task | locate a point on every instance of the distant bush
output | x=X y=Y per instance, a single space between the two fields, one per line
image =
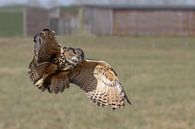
x=11 y=24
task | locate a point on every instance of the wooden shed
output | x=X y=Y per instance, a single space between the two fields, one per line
x=84 y=19
x=35 y=19
x=64 y=19
x=128 y=20
x=157 y=20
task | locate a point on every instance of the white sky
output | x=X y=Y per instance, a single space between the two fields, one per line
x=3 y=2
x=65 y=2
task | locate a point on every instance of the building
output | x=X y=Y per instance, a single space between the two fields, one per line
x=22 y=20
x=83 y=19
x=64 y=20
x=156 y=20
x=87 y=19
x=35 y=19
x=125 y=20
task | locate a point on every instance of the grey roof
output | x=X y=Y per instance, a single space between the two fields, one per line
x=156 y=7
x=138 y=4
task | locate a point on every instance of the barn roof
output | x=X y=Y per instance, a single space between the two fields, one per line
x=127 y=6
x=155 y=7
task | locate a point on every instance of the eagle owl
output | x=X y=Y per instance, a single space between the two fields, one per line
x=55 y=70
x=49 y=59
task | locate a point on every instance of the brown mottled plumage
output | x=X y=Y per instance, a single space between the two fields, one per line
x=46 y=48
x=55 y=69
x=47 y=61
x=58 y=80
x=100 y=82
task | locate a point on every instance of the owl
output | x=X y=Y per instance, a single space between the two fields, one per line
x=48 y=59
x=55 y=71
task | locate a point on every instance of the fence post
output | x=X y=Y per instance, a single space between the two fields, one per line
x=81 y=20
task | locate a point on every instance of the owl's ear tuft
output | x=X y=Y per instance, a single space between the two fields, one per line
x=46 y=29
x=49 y=30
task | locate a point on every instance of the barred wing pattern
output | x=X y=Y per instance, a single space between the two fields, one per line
x=44 y=76
x=56 y=82
x=54 y=67
x=100 y=83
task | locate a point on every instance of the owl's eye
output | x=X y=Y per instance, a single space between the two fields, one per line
x=65 y=48
x=72 y=49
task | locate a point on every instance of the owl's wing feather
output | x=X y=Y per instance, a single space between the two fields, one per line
x=57 y=82
x=100 y=83
x=39 y=72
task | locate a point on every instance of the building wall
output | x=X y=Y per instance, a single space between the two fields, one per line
x=64 y=21
x=190 y=24
x=154 y=22
x=92 y=20
x=98 y=21
x=35 y=20
x=70 y=21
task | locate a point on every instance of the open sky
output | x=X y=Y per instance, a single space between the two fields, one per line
x=3 y=2
x=66 y=2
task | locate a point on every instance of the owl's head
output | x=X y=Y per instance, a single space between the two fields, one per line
x=72 y=57
x=44 y=36
x=44 y=39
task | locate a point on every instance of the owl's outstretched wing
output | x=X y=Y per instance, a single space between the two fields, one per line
x=46 y=76
x=100 y=82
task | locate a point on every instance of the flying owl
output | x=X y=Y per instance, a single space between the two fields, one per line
x=48 y=60
x=96 y=78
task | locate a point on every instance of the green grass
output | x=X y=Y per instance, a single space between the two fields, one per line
x=158 y=75
x=11 y=8
x=11 y=24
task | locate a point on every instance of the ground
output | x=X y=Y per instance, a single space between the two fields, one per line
x=158 y=74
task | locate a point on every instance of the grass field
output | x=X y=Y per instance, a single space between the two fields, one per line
x=158 y=75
